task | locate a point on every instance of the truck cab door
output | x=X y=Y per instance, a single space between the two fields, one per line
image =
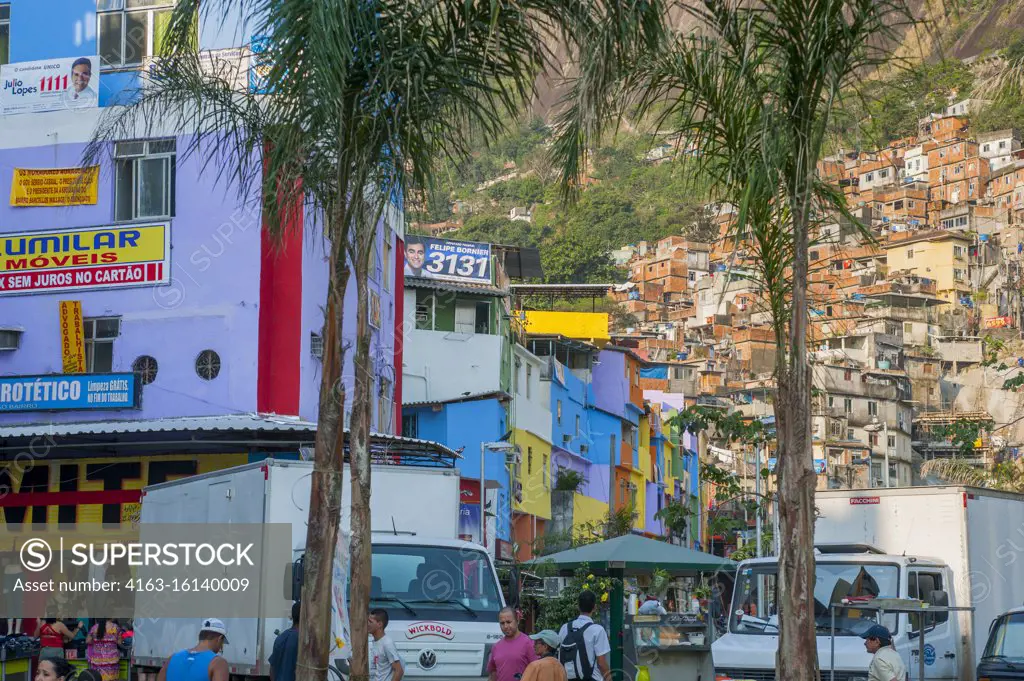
x=941 y=655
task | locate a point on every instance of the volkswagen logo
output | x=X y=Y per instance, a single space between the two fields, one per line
x=428 y=659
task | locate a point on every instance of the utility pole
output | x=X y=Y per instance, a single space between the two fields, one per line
x=885 y=437
x=757 y=496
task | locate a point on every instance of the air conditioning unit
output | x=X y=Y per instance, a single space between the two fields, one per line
x=554 y=586
x=10 y=338
x=513 y=457
x=566 y=439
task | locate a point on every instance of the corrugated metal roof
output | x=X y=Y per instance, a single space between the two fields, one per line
x=471 y=397
x=437 y=285
x=225 y=423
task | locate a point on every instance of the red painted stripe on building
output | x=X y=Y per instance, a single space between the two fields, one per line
x=280 y=320
x=125 y=496
x=399 y=326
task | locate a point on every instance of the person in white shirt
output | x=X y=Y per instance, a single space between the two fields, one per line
x=80 y=95
x=886 y=665
x=594 y=640
x=385 y=662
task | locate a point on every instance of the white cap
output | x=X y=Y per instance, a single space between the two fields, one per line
x=216 y=626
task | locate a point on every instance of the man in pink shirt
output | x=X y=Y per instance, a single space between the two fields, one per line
x=510 y=655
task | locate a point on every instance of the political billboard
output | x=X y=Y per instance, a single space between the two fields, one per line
x=447 y=260
x=50 y=85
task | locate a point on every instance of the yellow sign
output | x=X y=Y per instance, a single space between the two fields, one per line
x=72 y=337
x=55 y=186
x=89 y=258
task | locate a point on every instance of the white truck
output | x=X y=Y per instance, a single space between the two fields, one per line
x=947 y=545
x=416 y=512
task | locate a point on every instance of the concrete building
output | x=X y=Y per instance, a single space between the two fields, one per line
x=999 y=147
x=154 y=306
x=942 y=256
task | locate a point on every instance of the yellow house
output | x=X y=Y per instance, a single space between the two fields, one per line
x=942 y=256
x=588 y=326
x=587 y=511
x=534 y=474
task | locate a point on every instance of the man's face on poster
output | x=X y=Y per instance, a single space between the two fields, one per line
x=415 y=254
x=80 y=76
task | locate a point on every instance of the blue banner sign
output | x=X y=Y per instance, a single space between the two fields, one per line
x=448 y=260
x=68 y=392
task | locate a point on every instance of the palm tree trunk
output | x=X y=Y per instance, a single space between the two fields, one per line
x=359 y=447
x=315 y=641
x=797 y=641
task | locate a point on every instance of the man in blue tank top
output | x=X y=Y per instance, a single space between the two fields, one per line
x=200 y=662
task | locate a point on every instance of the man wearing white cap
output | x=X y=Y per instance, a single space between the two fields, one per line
x=200 y=662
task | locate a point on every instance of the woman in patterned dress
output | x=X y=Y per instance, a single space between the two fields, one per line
x=103 y=654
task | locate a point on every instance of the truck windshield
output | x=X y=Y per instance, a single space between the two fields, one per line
x=755 y=609
x=434 y=582
x=1006 y=642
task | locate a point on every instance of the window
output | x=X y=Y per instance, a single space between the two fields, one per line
x=927 y=368
x=872 y=408
x=848 y=405
x=958 y=275
x=529 y=378
x=848 y=375
x=410 y=425
x=849 y=433
x=144 y=179
x=873 y=439
x=131 y=30
x=831 y=401
x=922 y=586
x=883 y=174
x=636 y=376
x=316 y=345
x=908 y=328
x=910 y=254
x=545 y=470
x=692 y=276
x=835 y=429
x=577 y=425
x=1002 y=144
x=959 y=251
x=386 y=264
x=374 y=309
x=208 y=365
x=559 y=412
x=985 y=147
x=529 y=460
x=897 y=205
x=384 y=406
x=891 y=442
x=869 y=177
x=5 y=34
x=145 y=368
x=100 y=333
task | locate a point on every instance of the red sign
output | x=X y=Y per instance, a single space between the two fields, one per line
x=439 y=629
x=469 y=491
x=864 y=501
x=97 y=277
x=998 y=322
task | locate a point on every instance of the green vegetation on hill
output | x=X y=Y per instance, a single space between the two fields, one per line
x=633 y=199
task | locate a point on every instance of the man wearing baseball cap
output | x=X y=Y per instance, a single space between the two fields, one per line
x=547 y=666
x=886 y=665
x=200 y=662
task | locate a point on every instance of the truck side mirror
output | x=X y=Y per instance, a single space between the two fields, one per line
x=513 y=587
x=296 y=571
x=939 y=598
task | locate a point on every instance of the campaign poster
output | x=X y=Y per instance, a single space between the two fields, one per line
x=50 y=85
x=447 y=260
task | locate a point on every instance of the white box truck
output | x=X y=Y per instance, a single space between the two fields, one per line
x=947 y=545
x=416 y=511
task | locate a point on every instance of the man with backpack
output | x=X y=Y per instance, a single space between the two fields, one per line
x=585 y=647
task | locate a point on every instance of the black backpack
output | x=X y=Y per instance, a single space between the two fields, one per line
x=574 y=649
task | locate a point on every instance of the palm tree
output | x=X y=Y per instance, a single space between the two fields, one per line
x=753 y=92
x=1007 y=476
x=364 y=97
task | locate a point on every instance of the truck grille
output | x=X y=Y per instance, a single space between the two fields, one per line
x=769 y=675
